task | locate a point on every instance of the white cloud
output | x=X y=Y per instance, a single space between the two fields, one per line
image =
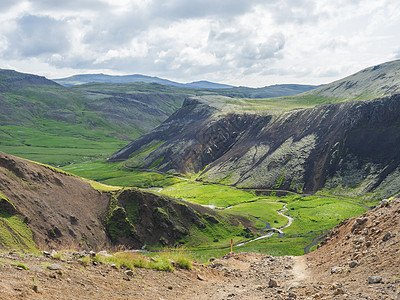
x=252 y=42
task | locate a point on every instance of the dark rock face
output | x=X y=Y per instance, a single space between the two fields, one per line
x=346 y=145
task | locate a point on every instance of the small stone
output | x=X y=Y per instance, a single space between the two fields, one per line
x=336 y=285
x=338 y=291
x=336 y=270
x=199 y=277
x=53 y=275
x=288 y=267
x=45 y=253
x=211 y=259
x=368 y=243
x=54 y=267
x=272 y=283
x=129 y=272
x=385 y=203
x=374 y=279
x=103 y=254
x=170 y=287
x=387 y=236
x=361 y=221
x=95 y=263
x=292 y=295
x=114 y=266
x=217 y=265
x=173 y=263
x=36 y=288
x=353 y=263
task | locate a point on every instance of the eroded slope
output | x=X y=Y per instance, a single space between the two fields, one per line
x=40 y=204
x=346 y=146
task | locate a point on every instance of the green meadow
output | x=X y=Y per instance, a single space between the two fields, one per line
x=310 y=213
x=56 y=143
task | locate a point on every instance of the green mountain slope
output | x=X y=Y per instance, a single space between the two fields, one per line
x=310 y=142
x=44 y=121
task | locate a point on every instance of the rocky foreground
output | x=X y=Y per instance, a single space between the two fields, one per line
x=359 y=260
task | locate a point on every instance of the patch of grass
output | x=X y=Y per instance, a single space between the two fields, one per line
x=279 y=246
x=137 y=156
x=266 y=211
x=183 y=262
x=118 y=225
x=101 y=187
x=164 y=261
x=84 y=261
x=369 y=199
x=57 y=143
x=58 y=256
x=223 y=231
x=209 y=194
x=315 y=213
x=115 y=174
x=14 y=232
x=20 y=265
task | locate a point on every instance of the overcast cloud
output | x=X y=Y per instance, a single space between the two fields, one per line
x=252 y=42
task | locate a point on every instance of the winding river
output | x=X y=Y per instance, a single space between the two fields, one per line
x=271 y=230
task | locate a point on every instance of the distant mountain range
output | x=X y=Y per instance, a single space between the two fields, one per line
x=104 y=78
x=277 y=90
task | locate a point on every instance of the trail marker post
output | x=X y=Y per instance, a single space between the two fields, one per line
x=231 y=245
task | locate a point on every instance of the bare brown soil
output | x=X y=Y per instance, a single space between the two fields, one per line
x=236 y=275
x=59 y=209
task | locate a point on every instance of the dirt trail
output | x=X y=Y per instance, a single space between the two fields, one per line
x=300 y=270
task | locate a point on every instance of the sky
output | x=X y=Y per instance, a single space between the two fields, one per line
x=251 y=43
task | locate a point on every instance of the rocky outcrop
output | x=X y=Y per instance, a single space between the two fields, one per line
x=349 y=145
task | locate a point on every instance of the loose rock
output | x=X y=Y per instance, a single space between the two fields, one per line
x=353 y=263
x=199 y=277
x=387 y=236
x=54 y=267
x=336 y=270
x=374 y=279
x=272 y=283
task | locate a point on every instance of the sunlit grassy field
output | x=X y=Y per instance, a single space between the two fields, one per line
x=310 y=213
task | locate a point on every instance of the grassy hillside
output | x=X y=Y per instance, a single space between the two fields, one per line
x=50 y=123
x=44 y=121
